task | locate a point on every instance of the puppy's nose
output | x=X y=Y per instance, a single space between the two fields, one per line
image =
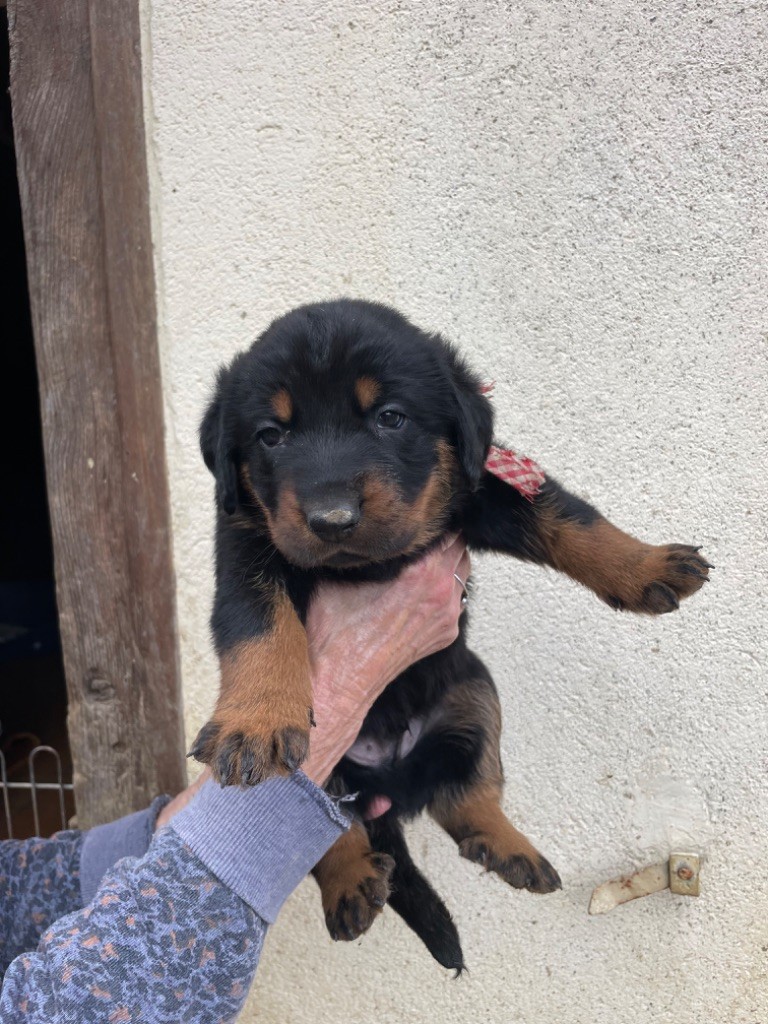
x=334 y=519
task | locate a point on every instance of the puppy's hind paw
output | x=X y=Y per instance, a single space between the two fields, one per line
x=359 y=900
x=520 y=870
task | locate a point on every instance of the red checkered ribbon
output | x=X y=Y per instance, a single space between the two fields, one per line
x=522 y=473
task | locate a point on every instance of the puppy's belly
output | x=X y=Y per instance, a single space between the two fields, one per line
x=376 y=753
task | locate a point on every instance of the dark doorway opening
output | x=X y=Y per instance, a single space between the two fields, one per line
x=33 y=697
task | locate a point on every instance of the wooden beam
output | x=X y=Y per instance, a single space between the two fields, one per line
x=78 y=123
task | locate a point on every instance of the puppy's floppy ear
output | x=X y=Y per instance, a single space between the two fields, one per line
x=474 y=421
x=217 y=443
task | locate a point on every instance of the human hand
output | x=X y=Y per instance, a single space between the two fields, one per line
x=362 y=636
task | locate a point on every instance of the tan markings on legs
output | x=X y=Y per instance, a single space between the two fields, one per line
x=479 y=814
x=600 y=556
x=473 y=817
x=623 y=571
x=270 y=673
x=261 y=723
x=354 y=884
x=282 y=405
x=484 y=835
x=367 y=390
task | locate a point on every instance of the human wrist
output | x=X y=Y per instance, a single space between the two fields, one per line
x=261 y=840
x=327 y=749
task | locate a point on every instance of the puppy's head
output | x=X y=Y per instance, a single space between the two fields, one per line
x=349 y=432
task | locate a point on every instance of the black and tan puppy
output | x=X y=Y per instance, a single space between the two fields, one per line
x=344 y=443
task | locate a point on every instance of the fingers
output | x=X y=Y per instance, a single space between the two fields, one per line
x=448 y=568
x=461 y=577
x=453 y=554
x=454 y=551
x=464 y=567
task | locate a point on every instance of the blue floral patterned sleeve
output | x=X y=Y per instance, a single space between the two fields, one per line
x=44 y=879
x=163 y=940
x=177 y=934
x=39 y=882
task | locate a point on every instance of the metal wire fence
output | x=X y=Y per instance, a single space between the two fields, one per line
x=34 y=787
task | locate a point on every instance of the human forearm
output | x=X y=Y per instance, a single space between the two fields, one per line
x=39 y=881
x=178 y=934
x=163 y=940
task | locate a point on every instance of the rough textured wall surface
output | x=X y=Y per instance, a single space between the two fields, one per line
x=575 y=193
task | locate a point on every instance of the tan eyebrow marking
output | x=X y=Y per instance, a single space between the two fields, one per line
x=367 y=390
x=282 y=405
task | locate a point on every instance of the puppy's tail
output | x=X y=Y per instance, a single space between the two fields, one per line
x=413 y=897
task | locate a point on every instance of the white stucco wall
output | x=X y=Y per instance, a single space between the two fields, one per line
x=574 y=192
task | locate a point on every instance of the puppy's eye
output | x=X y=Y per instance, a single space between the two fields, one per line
x=390 y=419
x=271 y=436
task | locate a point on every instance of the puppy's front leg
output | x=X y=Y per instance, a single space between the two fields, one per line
x=557 y=529
x=260 y=726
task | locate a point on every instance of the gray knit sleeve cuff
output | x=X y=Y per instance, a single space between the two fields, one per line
x=261 y=841
x=105 y=845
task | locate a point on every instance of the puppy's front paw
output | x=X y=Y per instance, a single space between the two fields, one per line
x=666 y=575
x=245 y=756
x=521 y=870
x=357 y=900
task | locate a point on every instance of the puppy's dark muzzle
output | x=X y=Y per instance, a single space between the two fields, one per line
x=334 y=520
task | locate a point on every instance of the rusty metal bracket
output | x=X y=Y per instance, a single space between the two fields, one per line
x=684 y=871
x=680 y=874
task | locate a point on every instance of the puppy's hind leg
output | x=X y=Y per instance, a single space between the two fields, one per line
x=485 y=836
x=414 y=899
x=472 y=815
x=354 y=884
